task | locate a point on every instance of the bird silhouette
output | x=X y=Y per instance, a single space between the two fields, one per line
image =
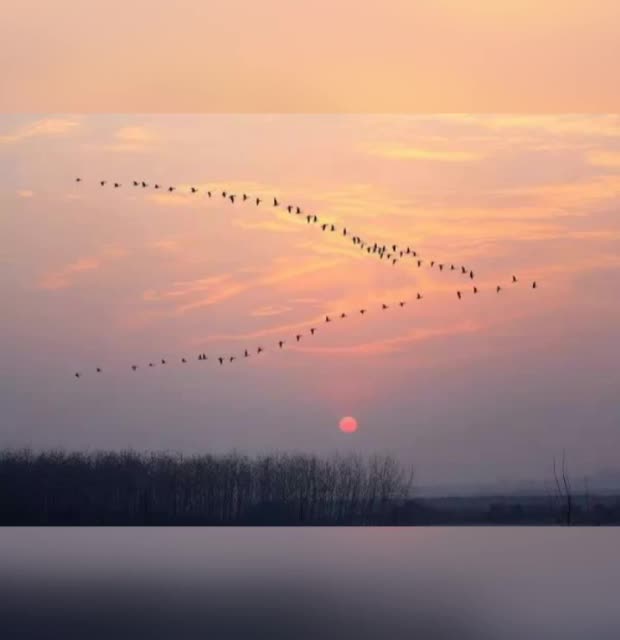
x=246 y=354
x=194 y=190
x=209 y=193
x=281 y=343
x=384 y=306
x=498 y=289
x=163 y=361
x=343 y=315
x=77 y=375
x=78 y=179
x=134 y=367
x=298 y=337
x=323 y=227
x=223 y=194
x=150 y=364
x=327 y=319
x=309 y=219
x=419 y=296
x=144 y=185
x=514 y=278
x=312 y=330
x=534 y=284
x=297 y=210
x=463 y=270
x=471 y=275
x=156 y=186
x=451 y=267
x=259 y=350
x=245 y=197
x=275 y=202
x=419 y=263
x=232 y=359
x=98 y=369
x=458 y=294
x=475 y=289
x=102 y=183
x=136 y=183
x=258 y=201
x=183 y=360
x=432 y=263
x=440 y=267
x=232 y=197
x=221 y=360
x=289 y=208
x=116 y=185
x=402 y=303
x=171 y=189
x=362 y=311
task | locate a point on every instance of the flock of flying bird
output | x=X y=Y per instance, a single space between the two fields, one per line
x=391 y=253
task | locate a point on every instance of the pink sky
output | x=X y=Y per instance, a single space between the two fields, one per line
x=485 y=389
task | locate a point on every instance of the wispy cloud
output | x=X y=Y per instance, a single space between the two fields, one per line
x=43 y=127
x=403 y=152
x=269 y=310
x=132 y=139
x=64 y=277
x=608 y=159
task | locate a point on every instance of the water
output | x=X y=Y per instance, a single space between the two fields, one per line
x=310 y=583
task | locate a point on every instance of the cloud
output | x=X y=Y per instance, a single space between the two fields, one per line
x=608 y=159
x=270 y=310
x=132 y=139
x=402 y=152
x=25 y=193
x=64 y=277
x=44 y=127
x=390 y=345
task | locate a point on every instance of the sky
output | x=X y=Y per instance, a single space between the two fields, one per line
x=483 y=390
x=278 y=56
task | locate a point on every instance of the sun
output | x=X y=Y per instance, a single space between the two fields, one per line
x=348 y=424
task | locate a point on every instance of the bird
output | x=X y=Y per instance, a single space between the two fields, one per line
x=362 y=311
x=259 y=350
x=289 y=208
x=77 y=375
x=327 y=319
x=150 y=364
x=298 y=337
x=297 y=210
x=194 y=189
x=419 y=263
x=98 y=369
x=221 y=360
x=534 y=284
x=204 y=356
x=116 y=185
x=471 y=275
x=245 y=197
x=136 y=183
x=312 y=330
x=333 y=228
x=498 y=289
x=309 y=218
x=156 y=186
x=440 y=267
x=451 y=267
x=232 y=358
x=78 y=179
x=514 y=278
x=232 y=197
x=144 y=185
x=458 y=294
x=183 y=360
x=275 y=202
x=223 y=194
x=402 y=303
x=384 y=306
x=258 y=201
x=209 y=193
x=432 y=263
x=281 y=343
x=171 y=189
x=394 y=247
x=463 y=270
x=343 y=315
x=475 y=289
x=163 y=361
x=246 y=354
x=323 y=227
x=134 y=367
x=419 y=296
x=102 y=183
x=394 y=261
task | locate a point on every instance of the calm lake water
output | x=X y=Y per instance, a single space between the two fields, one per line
x=310 y=583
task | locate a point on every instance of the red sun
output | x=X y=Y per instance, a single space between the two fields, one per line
x=348 y=424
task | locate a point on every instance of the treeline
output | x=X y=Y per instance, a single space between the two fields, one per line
x=129 y=488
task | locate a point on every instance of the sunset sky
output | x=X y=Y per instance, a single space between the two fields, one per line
x=483 y=390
